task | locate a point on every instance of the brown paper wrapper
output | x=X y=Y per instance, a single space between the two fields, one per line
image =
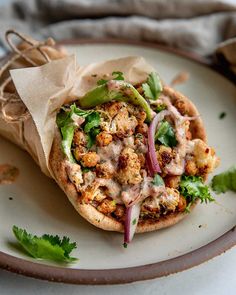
x=44 y=89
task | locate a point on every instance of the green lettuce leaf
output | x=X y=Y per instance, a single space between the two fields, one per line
x=224 y=181
x=153 y=87
x=193 y=188
x=65 y=121
x=166 y=134
x=46 y=247
x=92 y=121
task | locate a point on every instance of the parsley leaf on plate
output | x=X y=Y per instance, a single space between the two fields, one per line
x=224 y=181
x=193 y=188
x=166 y=134
x=46 y=247
x=153 y=87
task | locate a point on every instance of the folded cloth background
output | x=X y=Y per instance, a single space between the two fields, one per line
x=206 y=27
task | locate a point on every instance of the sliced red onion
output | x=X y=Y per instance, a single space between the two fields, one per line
x=151 y=140
x=149 y=165
x=131 y=222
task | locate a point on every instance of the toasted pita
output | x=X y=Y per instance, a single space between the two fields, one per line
x=90 y=213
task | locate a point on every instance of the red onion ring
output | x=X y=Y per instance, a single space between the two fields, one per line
x=131 y=222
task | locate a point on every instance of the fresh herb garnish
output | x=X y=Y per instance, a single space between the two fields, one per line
x=134 y=221
x=224 y=181
x=46 y=247
x=222 y=115
x=92 y=121
x=116 y=76
x=157 y=180
x=91 y=128
x=193 y=188
x=166 y=134
x=153 y=87
x=125 y=245
x=160 y=107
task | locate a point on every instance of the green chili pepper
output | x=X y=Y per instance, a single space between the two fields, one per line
x=123 y=92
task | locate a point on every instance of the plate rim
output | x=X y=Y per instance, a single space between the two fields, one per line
x=137 y=273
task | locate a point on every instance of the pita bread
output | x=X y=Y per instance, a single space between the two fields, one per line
x=89 y=212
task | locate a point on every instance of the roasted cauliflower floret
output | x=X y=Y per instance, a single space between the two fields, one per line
x=138 y=113
x=171 y=201
x=182 y=204
x=120 y=211
x=129 y=167
x=164 y=155
x=123 y=125
x=105 y=170
x=113 y=108
x=203 y=159
x=79 y=138
x=78 y=152
x=142 y=128
x=107 y=206
x=172 y=181
x=191 y=167
x=99 y=196
x=90 y=159
x=151 y=205
x=88 y=194
x=103 y=138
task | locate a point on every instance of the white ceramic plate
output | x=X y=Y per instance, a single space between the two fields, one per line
x=41 y=207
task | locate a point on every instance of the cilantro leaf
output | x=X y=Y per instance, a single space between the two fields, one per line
x=224 y=181
x=157 y=180
x=166 y=134
x=116 y=76
x=46 y=247
x=193 y=188
x=153 y=87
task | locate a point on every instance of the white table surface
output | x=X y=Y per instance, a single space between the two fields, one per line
x=217 y=276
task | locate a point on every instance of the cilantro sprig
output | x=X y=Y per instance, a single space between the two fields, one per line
x=166 y=134
x=46 y=247
x=153 y=87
